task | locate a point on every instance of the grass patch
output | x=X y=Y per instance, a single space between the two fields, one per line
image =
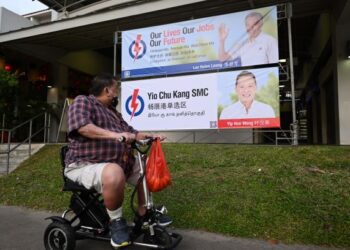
x=291 y=194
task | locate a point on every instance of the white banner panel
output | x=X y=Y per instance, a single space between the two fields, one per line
x=236 y=99
x=227 y=41
x=176 y=103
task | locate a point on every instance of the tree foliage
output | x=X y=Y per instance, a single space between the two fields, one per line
x=8 y=86
x=269 y=93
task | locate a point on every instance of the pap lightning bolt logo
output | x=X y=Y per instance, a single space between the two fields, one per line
x=137 y=47
x=133 y=102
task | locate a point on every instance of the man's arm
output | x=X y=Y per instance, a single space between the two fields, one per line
x=142 y=136
x=223 y=33
x=139 y=135
x=93 y=132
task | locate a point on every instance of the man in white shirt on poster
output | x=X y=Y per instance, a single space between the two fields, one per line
x=246 y=106
x=258 y=48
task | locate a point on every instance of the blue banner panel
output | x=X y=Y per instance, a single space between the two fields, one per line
x=227 y=41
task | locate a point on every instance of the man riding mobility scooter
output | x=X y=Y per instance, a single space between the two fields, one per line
x=87 y=218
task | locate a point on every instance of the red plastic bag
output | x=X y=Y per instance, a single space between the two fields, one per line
x=157 y=171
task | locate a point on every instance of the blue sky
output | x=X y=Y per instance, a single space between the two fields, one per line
x=22 y=7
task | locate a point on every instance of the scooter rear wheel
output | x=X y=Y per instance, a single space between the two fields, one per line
x=59 y=236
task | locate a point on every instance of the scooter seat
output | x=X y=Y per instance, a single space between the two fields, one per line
x=70 y=185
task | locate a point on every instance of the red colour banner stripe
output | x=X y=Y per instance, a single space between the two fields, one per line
x=250 y=123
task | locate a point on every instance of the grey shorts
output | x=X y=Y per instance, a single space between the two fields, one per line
x=90 y=174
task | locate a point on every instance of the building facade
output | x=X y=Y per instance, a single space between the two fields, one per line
x=62 y=48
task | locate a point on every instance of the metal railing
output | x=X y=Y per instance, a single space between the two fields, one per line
x=9 y=132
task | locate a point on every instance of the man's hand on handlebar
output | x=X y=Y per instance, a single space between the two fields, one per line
x=131 y=137
x=157 y=136
x=126 y=137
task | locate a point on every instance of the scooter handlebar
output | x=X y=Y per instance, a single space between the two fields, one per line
x=122 y=139
x=143 y=142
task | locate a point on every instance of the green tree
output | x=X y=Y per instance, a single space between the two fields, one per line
x=269 y=93
x=8 y=87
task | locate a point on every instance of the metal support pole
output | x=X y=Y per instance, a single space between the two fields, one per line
x=8 y=152
x=115 y=53
x=276 y=138
x=291 y=65
x=65 y=106
x=48 y=128
x=144 y=184
x=45 y=127
x=30 y=138
x=2 y=127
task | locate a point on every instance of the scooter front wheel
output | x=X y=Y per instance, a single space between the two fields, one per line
x=59 y=236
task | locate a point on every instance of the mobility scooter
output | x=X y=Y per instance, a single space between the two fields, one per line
x=87 y=218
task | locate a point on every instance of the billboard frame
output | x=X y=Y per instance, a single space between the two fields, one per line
x=284 y=11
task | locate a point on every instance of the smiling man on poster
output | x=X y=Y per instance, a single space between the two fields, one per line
x=252 y=101
x=246 y=106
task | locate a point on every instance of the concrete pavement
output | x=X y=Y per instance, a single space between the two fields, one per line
x=23 y=229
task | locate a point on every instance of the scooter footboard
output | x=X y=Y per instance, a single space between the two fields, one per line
x=176 y=239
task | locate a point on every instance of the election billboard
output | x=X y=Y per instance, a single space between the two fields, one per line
x=224 y=100
x=233 y=40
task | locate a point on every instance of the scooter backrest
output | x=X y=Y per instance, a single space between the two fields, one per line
x=63 y=153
